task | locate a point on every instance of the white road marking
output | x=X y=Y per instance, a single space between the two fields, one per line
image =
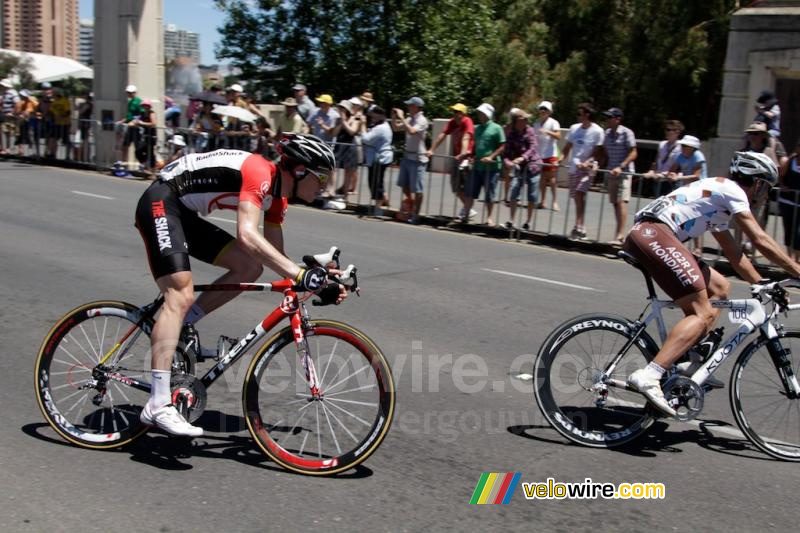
x=543 y=280
x=221 y=219
x=93 y=195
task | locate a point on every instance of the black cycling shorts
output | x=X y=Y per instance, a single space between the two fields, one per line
x=171 y=232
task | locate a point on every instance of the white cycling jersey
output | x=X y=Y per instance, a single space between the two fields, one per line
x=704 y=205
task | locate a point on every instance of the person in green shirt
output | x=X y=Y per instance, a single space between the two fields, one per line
x=133 y=114
x=490 y=140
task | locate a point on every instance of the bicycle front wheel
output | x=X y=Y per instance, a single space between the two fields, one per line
x=568 y=366
x=329 y=431
x=763 y=410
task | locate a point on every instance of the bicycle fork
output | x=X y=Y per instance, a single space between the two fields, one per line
x=783 y=363
x=299 y=326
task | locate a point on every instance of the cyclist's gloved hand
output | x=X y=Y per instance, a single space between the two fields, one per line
x=311 y=279
x=330 y=294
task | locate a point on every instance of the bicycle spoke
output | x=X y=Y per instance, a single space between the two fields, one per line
x=330 y=427
x=302 y=444
x=78 y=401
x=349 y=433
x=85 y=336
x=319 y=434
x=103 y=337
x=348 y=413
x=368 y=404
x=347 y=377
x=365 y=387
x=80 y=363
x=92 y=359
x=330 y=359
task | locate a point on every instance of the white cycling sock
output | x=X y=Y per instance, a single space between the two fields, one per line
x=654 y=371
x=194 y=315
x=160 y=395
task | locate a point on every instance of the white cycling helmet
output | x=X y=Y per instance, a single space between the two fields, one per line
x=755 y=165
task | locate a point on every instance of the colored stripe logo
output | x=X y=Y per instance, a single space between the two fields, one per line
x=495 y=488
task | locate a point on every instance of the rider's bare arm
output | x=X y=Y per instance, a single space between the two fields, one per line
x=740 y=263
x=766 y=244
x=274 y=235
x=255 y=244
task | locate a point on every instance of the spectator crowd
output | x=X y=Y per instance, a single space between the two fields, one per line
x=489 y=160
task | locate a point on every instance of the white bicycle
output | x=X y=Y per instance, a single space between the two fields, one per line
x=581 y=369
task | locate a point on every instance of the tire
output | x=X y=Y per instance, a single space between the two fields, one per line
x=767 y=417
x=276 y=400
x=73 y=403
x=563 y=372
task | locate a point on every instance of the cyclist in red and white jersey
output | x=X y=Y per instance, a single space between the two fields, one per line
x=167 y=217
x=657 y=238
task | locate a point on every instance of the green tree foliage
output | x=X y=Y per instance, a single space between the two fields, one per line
x=12 y=65
x=656 y=59
x=394 y=48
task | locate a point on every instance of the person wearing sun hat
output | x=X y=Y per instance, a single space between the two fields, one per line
x=462 y=133
x=690 y=165
x=548 y=132
x=291 y=121
x=490 y=140
x=325 y=120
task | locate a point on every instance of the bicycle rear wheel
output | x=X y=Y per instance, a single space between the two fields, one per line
x=76 y=396
x=763 y=411
x=568 y=364
x=334 y=431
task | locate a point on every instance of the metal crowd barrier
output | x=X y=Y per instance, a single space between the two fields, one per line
x=36 y=140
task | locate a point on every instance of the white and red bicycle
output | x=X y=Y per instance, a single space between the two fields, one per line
x=318 y=395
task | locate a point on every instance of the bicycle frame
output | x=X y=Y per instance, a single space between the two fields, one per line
x=750 y=313
x=291 y=307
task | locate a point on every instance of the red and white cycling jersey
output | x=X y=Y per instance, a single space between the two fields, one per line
x=223 y=178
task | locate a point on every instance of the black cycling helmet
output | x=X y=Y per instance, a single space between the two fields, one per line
x=751 y=166
x=307 y=150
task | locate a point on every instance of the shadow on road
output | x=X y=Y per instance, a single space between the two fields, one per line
x=161 y=451
x=657 y=440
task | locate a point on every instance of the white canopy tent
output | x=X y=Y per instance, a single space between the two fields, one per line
x=53 y=68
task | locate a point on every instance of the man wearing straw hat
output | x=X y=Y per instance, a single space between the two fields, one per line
x=291 y=121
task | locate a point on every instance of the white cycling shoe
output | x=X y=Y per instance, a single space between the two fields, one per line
x=651 y=388
x=170 y=420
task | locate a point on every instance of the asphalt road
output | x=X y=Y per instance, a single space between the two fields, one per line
x=436 y=302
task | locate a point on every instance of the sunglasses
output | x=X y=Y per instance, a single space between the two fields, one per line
x=300 y=175
x=670 y=129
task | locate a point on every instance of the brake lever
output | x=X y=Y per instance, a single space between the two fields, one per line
x=349 y=278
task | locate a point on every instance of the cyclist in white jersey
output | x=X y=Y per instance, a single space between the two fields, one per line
x=657 y=238
x=167 y=218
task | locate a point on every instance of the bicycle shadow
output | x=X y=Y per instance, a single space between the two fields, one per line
x=159 y=450
x=660 y=439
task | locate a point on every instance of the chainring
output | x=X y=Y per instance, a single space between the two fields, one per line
x=685 y=396
x=188 y=395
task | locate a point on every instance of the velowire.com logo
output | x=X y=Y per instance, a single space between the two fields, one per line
x=495 y=488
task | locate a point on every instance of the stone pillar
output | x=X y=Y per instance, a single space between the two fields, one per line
x=128 y=49
x=763 y=45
